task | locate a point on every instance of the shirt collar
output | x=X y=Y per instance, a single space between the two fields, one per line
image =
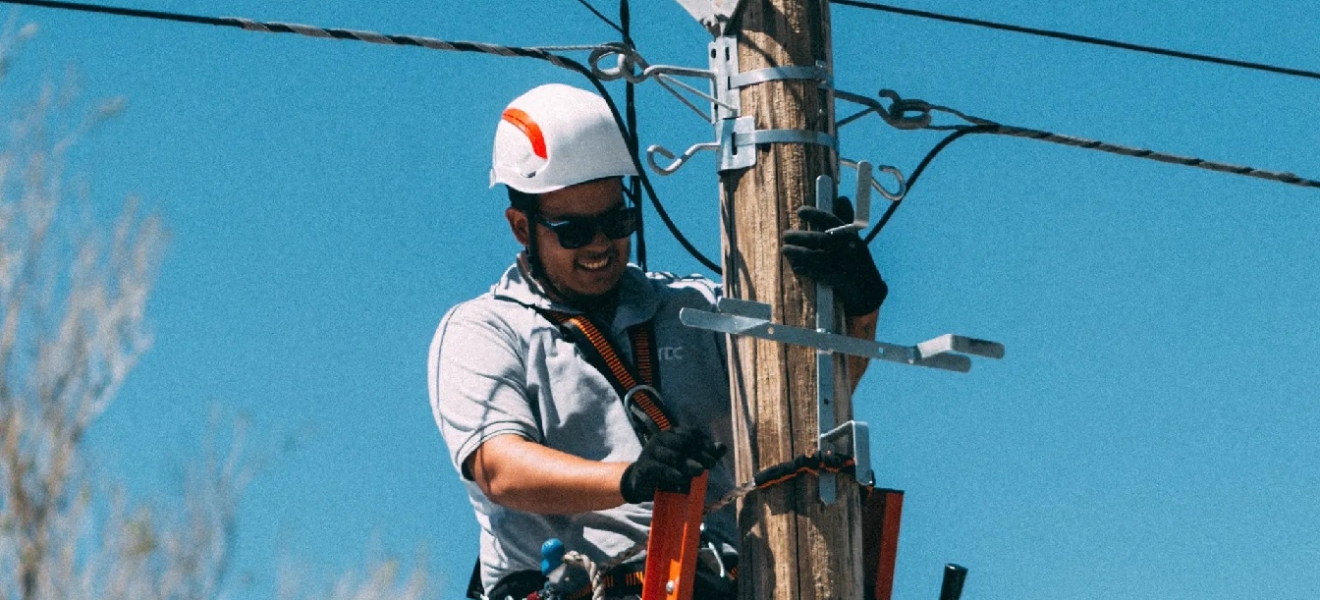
x=637 y=300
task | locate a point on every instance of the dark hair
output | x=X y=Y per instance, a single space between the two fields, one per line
x=523 y=201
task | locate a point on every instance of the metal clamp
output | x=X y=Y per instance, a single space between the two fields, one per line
x=818 y=73
x=736 y=142
x=895 y=115
x=724 y=66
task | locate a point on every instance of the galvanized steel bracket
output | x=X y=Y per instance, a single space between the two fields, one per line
x=736 y=141
x=818 y=73
x=714 y=15
x=736 y=136
x=743 y=317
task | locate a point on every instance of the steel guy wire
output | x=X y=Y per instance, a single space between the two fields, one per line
x=1084 y=39
x=402 y=40
x=896 y=116
x=988 y=126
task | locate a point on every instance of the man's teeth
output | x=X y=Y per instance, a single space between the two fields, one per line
x=595 y=264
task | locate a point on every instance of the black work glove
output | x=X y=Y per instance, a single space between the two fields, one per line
x=839 y=260
x=669 y=461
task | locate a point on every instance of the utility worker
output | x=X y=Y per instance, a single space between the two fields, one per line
x=542 y=440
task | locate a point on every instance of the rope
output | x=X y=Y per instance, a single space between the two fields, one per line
x=594 y=572
x=1083 y=39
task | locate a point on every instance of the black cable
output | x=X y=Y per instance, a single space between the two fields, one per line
x=630 y=115
x=402 y=40
x=126 y=12
x=1082 y=39
x=602 y=17
x=921 y=167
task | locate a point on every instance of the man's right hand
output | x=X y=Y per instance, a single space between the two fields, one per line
x=669 y=461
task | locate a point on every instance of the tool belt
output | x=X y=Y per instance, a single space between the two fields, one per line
x=623 y=580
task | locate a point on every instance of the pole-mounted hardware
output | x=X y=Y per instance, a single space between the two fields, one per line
x=853 y=435
x=742 y=317
x=714 y=15
x=736 y=136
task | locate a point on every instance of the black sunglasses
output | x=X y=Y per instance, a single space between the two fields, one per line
x=576 y=232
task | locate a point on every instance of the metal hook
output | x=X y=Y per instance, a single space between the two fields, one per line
x=898 y=176
x=655 y=149
x=874 y=184
x=632 y=67
x=626 y=66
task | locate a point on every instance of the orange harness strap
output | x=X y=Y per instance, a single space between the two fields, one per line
x=671 y=549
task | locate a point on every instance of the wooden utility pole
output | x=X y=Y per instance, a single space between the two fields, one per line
x=794 y=546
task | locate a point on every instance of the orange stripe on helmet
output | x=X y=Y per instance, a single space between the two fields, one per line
x=525 y=124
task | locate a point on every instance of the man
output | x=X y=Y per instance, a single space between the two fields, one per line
x=544 y=443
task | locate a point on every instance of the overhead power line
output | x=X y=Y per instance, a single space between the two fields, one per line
x=896 y=115
x=599 y=15
x=1082 y=39
x=373 y=37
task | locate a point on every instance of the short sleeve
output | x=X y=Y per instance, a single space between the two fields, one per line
x=477 y=381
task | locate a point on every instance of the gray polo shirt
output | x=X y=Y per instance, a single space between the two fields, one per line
x=497 y=367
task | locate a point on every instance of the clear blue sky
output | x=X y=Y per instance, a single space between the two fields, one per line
x=1152 y=431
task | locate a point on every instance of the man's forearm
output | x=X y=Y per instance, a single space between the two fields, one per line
x=523 y=475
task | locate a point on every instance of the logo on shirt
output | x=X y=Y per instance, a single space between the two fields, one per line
x=668 y=353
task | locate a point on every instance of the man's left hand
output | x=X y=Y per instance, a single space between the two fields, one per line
x=840 y=260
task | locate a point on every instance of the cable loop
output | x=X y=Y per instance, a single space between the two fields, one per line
x=627 y=65
x=897 y=116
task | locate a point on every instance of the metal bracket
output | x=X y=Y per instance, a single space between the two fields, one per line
x=852 y=438
x=723 y=67
x=736 y=142
x=818 y=73
x=744 y=317
x=824 y=358
x=714 y=15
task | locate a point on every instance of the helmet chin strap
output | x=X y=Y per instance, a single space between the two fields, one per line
x=536 y=267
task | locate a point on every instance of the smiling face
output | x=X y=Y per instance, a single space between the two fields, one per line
x=583 y=273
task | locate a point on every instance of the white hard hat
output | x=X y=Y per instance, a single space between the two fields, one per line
x=555 y=136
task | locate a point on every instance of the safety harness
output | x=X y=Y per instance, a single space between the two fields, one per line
x=672 y=546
